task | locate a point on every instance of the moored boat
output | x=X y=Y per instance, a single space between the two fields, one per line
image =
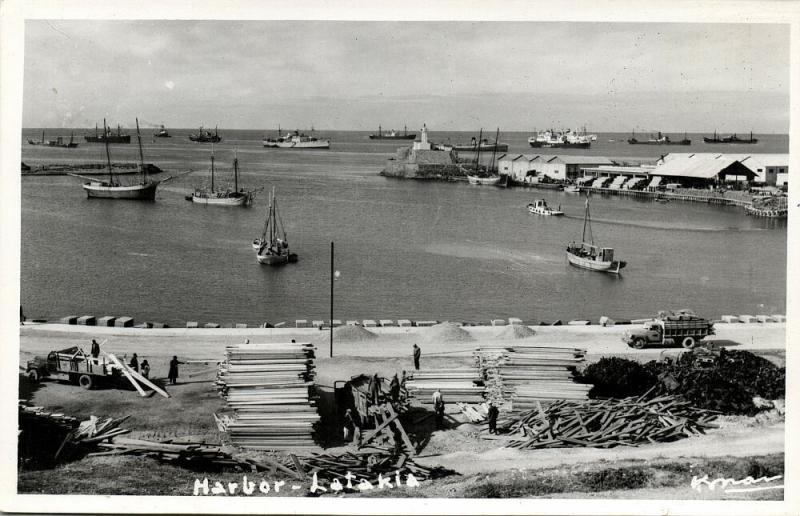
x=162 y=133
x=296 y=140
x=61 y=142
x=273 y=247
x=567 y=139
x=540 y=207
x=587 y=255
x=473 y=146
x=227 y=197
x=144 y=190
x=662 y=139
x=572 y=189
x=490 y=181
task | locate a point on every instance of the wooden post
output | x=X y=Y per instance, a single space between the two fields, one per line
x=127 y=375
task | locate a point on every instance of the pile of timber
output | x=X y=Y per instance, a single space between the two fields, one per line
x=524 y=375
x=607 y=423
x=463 y=384
x=44 y=437
x=366 y=465
x=270 y=389
x=474 y=413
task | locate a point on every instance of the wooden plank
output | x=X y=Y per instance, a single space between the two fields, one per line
x=374 y=433
x=297 y=464
x=147 y=382
x=127 y=375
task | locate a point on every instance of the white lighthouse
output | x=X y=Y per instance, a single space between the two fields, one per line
x=422 y=144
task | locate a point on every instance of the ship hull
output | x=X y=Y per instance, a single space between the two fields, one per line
x=276 y=259
x=559 y=145
x=500 y=147
x=239 y=200
x=111 y=139
x=646 y=142
x=303 y=145
x=145 y=192
x=594 y=265
x=489 y=181
x=399 y=137
x=711 y=140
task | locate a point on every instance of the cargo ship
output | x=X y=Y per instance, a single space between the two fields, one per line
x=561 y=140
x=162 y=133
x=205 y=136
x=108 y=136
x=392 y=135
x=662 y=139
x=729 y=139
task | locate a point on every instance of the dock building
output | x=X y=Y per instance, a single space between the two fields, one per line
x=532 y=168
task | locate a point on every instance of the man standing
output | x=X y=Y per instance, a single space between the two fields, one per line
x=374 y=389
x=134 y=363
x=438 y=407
x=493 y=413
x=417 y=354
x=394 y=389
x=173 y=370
x=95 y=349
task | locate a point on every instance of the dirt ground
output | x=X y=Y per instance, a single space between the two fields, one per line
x=458 y=447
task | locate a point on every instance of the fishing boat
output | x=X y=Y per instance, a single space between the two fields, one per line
x=572 y=189
x=273 y=248
x=144 y=190
x=587 y=255
x=296 y=140
x=540 y=207
x=162 y=133
x=662 y=139
x=392 y=135
x=205 y=136
x=726 y=139
x=108 y=136
x=486 y=176
x=490 y=181
x=567 y=139
x=227 y=197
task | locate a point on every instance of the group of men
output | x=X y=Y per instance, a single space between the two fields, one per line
x=144 y=367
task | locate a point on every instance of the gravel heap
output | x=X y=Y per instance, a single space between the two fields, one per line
x=353 y=333
x=447 y=332
x=516 y=331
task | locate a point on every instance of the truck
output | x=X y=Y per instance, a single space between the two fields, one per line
x=75 y=366
x=684 y=329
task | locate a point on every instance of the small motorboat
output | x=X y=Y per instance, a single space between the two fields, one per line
x=540 y=207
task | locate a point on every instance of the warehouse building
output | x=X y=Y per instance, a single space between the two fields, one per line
x=769 y=169
x=530 y=168
x=702 y=170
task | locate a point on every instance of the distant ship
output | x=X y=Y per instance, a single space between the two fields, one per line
x=162 y=133
x=662 y=139
x=392 y=135
x=296 y=140
x=729 y=139
x=108 y=136
x=568 y=139
x=61 y=142
x=473 y=146
x=205 y=136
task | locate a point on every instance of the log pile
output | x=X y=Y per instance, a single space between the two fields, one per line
x=607 y=423
x=527 y=374
x=461 y=384
x=269 y=387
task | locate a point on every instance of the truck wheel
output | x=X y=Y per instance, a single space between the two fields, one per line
x=638 y=343
x=86 y=381
x=688 y=342
x=33 y=375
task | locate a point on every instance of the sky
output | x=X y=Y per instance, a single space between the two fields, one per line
x=518 y=76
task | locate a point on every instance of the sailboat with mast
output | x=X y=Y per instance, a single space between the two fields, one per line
x=228 y=197
x=144 y=190
x=273 y=247
x=479 y=178
x=587 y=255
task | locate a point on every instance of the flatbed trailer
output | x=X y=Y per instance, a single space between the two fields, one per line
x=74 y=366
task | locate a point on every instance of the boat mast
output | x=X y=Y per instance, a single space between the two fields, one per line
x=212 y=167
x=108 y=159
x=587 y=223
x=235 y=171
x=42 y=136
x=141 y=154
x=494 y=150
x=478 y=155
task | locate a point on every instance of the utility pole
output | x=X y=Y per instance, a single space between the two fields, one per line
x=330 y=321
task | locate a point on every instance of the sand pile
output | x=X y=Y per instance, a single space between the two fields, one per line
x=353 y=333
x=447 y=332
x=516 y=331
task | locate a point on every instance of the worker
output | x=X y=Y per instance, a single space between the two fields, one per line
x=173 y=370
x=493 y=413
x=145 y=369
x=134 y=363
x=95 y=349
x=403 y=379
x=374 y=388
x=349 y=425
x=394 y=389
x=21 y=316
x=417 y=354
x=438 y=407
x=397 y=437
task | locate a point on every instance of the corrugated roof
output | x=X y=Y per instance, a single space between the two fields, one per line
x=751 y=161
x=697 y=166
x=584 y=160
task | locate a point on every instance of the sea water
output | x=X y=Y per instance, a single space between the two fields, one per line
x=403 y=248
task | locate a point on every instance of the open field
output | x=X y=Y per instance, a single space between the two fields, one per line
x=661 y=470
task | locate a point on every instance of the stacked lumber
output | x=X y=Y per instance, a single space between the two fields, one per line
x=456 y=385
x=607 y=423
x=474 y=413
x=269 y=387
x=527 y=374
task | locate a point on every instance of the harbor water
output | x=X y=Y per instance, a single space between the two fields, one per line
x=404 y=249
